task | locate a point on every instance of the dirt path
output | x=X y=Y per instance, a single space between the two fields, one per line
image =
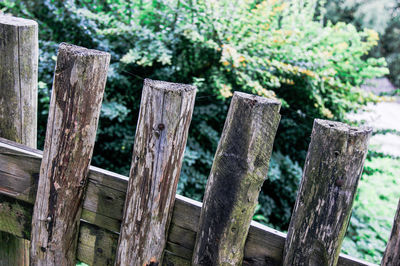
x=383 y=117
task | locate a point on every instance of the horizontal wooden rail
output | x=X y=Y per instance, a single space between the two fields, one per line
x=102 y=214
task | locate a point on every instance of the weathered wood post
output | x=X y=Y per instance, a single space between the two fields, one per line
x=164 y=119
x=238 y=172
x=18 y=105
x=79 y=81
x=322 y=211
x=392 y=252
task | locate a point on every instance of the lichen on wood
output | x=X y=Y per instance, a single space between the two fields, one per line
x=79 y=83
x=238 y=172
x=98 y=237
x=164 y=118
x=322 y=211
x=18 y=105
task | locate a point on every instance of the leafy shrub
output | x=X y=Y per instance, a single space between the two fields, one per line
x=271 y=48
x=382 y=16
x=370 y=224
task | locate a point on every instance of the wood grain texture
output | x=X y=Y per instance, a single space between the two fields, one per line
x=391 y=257
x=79 y=82
x=164 y=118
x=264 y=246
x=239 y=169
x=322 y=211
x=18 y=105
x=18 y=79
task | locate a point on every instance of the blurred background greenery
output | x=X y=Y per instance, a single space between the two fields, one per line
x=312 y=55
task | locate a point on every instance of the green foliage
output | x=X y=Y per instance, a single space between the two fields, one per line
x=382 y=16
x=271 y=48
x=371 y=224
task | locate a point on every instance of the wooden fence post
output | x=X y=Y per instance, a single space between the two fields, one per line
x=18 y=105
x=322 y=211
x=164 y=119
x=79 y=82
x=238 y=172
x=392 y=252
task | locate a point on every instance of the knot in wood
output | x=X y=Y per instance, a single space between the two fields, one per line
x=161 y=126
x=339 y=182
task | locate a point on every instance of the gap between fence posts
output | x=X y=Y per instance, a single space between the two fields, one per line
x=391 y=257
x=322 y=211
x=79 y=81
x=239 y=169
x=164 y=118
x=18 y=105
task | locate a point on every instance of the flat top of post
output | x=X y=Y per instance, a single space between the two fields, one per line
x=257 y=99
x=342 y=126
x=80 y=51
x=168 y=86
x=14 y=21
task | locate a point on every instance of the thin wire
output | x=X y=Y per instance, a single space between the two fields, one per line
x=201 y=98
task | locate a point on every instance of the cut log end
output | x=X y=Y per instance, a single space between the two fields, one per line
x=341 y=127
x=254 y=99
x=169 y=86
x=17 y=22
x=74 y=50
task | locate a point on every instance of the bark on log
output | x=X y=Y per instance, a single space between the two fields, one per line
x=18 y=105
x=238 y=172
x=164 y=119
x=322 y=211
x=79 y=82
x=392 y=252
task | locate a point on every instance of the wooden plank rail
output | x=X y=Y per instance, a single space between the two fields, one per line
x=78 y=87
x=19 y=51
x=102 y=214
x=165 y=113
x=239 y=169
x=322 y=211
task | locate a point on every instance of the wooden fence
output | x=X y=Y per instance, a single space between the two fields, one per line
x=70 y=210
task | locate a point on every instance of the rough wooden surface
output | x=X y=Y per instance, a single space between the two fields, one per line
x=392 y=252
x=239 y=169
x=322 y=211
x=18 y=79
x=164 y=118
x=264 y=246
x=79 y=83
x=18 y=105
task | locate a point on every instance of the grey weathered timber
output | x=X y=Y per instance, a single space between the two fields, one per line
x=392 y=252
x=18 y=79
x=238 y=172
x=161 y=134
x=322 y=211
x=98 y=234
x=79 y=82
x=18 y=106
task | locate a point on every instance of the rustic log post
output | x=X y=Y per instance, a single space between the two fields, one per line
x=238 y=172
x=79 y=82
x=322 y=211
x=18 y=105
x=392 y=252
x=164 y=119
